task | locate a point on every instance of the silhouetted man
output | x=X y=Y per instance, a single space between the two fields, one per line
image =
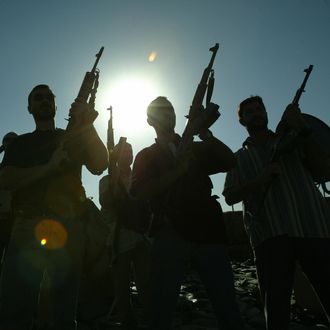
x=285 y=215
x=5 y=203
x=130 y=246
x=49 y=204
x=188 y=226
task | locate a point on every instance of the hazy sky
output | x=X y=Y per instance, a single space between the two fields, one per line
x=264 y=47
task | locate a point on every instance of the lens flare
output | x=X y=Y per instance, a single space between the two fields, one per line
x=152 y=56
x=51 y=234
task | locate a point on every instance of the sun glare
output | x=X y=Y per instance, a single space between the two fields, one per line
x=129 y=99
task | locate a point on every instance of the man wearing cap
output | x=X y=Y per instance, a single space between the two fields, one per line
x=188 y=226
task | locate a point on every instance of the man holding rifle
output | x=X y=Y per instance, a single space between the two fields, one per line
x=48 y=205
x=285 y=215
x=130 y=248
x=188 y=227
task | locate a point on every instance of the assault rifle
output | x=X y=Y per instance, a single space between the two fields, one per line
x=113 y=156
x=200 y=119
x=88 y=89
x=288 y=138
x=115 y=184
x=301 y=89
x=110 y=142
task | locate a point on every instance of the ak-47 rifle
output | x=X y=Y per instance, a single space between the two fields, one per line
x=87 y=91
x=287 y=138
x=301 y=89
x=110 y=142
x=200 y=119
x=286 y=142
x=114 y=183
x=113 y=155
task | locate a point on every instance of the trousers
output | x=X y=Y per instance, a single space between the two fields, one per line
x=39 y=245
x=171 y=258
x=276 y=262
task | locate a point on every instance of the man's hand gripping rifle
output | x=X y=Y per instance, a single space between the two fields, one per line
x=200 y=119
x=288 y=136
x=82 y=111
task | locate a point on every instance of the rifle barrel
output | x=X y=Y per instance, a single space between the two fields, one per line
x=98 y=56
x=303 y=85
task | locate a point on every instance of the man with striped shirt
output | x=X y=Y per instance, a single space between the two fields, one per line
x=285 y=215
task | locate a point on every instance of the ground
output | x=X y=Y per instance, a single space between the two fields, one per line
x=194 y=311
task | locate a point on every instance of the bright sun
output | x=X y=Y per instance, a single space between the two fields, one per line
x=129 y=98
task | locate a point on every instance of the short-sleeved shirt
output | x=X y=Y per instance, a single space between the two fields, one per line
x=60 y=193
x=188 y=204
x=292 y=204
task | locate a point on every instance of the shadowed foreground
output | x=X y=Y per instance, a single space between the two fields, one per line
x=194 y=311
